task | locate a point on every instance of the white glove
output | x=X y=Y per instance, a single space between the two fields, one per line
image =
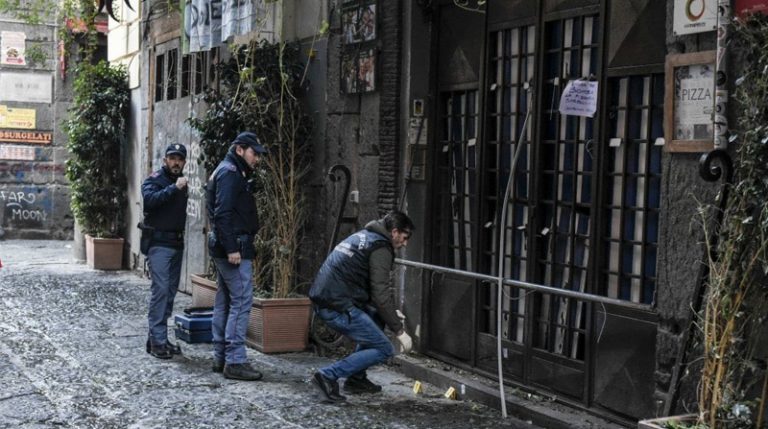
x=404 y=343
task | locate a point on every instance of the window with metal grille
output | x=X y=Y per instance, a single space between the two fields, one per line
x=564 y=188
x=512 y=60
x=456 y=227
x=159 y=77
x=633 y=185
x=171 y=72
x=186 y=75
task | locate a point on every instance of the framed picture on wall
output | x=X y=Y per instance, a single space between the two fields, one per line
x=366 y=71
x=358 y=51
x=689 y=102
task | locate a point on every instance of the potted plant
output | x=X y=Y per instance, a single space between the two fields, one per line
x=95 y=129
x=258 y=92
x=732 y=379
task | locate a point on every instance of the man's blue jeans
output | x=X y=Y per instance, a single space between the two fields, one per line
x=231 y=309
x=373 y=346
x=165 y=269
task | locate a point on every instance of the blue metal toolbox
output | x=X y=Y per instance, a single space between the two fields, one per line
x=194 y=321
x=194 y=336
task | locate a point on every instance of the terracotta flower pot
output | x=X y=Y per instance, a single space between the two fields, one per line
x=203 y=290
x=104 y=253
x=279 y=325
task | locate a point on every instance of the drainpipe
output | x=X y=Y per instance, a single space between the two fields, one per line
x=724 y=15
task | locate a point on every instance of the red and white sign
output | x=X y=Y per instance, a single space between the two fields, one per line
x=744 y=7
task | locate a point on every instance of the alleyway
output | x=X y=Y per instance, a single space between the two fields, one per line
x=71 y=355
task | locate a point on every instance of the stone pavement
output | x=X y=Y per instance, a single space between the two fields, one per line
x=72 y=356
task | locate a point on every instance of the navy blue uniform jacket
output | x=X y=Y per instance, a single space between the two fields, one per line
x=231 y=207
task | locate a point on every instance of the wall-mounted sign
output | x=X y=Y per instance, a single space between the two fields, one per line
x=694 y=16
x=26 y=87
x=745 y=7
x=34 y=137
x=689 y=102
x=12 y=46
x=11 y=117
x=17 y=153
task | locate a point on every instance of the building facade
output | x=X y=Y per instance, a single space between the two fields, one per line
x=435 y=107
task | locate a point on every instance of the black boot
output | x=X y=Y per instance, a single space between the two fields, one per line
x=160 y=351
x=175 y=349
x=329 y=388
x=241 y=371
x=218 y=366
x=361 y=385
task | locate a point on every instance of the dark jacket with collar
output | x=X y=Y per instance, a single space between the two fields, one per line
x=165 y=206
x=231 y=209
x=357 y=273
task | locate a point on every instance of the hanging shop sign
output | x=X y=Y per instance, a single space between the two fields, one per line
x=745 y=7
x=689 y=102
x=694 y=16
x=12 y=46
x=11 y=117
x=26 y=87
x=33 y=137
x=579 y=98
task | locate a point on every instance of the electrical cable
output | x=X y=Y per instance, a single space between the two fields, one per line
x=500 y=271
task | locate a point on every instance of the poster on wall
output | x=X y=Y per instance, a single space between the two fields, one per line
x=689 y=101
x=12 y=48
x=694 y=102
x=694 y=16
x=358 y=57
x=366 y=71
x=11 y=117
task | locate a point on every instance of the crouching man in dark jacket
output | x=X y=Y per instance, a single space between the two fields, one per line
x=351 y=292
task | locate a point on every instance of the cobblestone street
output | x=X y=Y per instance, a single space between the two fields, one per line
x=72 y=355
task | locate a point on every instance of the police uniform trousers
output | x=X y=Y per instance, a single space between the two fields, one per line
x=231 y=309
x=165 y=269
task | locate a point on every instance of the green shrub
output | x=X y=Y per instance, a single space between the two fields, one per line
x=96 y=130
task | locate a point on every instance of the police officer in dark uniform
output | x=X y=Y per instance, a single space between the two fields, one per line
x=234 y=223
x=165 y=216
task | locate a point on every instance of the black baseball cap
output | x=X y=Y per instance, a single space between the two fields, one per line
x=248 y=138
x=177 y=149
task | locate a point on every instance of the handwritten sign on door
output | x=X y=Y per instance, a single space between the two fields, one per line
x=579 y=98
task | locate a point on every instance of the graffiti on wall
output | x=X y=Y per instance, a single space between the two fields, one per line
x=194 y=172
x=25 y=207
x=31 y=171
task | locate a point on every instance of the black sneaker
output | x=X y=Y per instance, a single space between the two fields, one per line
x=361 y=385
x=241 y=371
x=329 y=388
x=218 y=366
x=160 y=351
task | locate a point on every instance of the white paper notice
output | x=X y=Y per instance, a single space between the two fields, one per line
x=579 y=98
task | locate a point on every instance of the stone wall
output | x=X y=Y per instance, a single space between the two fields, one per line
x=34 y=195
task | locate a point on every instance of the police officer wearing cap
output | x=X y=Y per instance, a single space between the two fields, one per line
x=165 y=215
x=234 y=223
